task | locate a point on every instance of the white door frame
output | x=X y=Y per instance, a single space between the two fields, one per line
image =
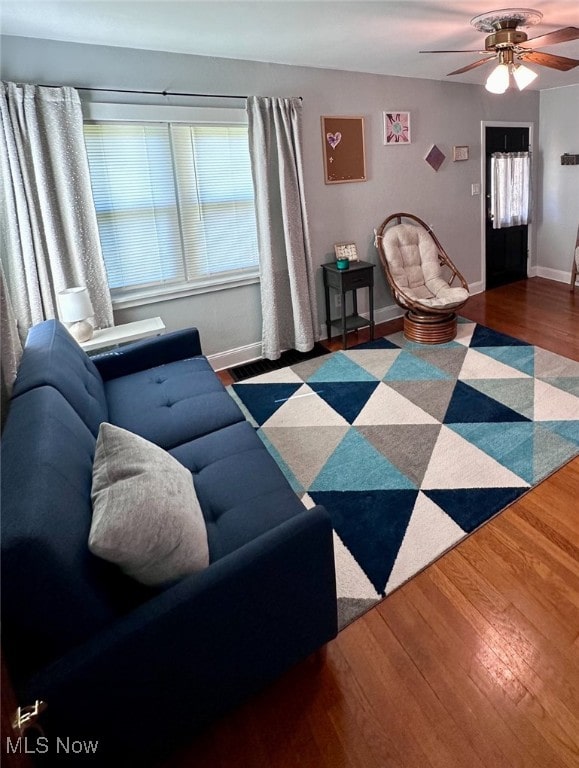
x=483 y=198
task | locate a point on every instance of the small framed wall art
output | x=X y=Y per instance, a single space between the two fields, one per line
x=435 y=157
x=346 y=251
x=343 y=149
x=396 y=127
x=460 y=153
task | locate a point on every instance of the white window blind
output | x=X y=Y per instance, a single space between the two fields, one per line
x=174 y=202
x=216 y=197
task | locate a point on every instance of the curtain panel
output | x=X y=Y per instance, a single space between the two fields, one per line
x=51 y=238
x=510 y=189
x=10 y=348
x=288 y=294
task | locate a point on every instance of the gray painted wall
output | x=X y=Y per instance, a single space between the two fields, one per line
x=559 y=184
x=445 y=113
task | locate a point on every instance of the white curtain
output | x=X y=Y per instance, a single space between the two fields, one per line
x=10 y=348
x=288 y=295
x=51 y=239
x=510 y=189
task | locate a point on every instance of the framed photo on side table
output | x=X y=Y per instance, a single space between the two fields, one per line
x=346 y=251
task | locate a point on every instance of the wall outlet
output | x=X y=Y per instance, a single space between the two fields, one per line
x=338 y=300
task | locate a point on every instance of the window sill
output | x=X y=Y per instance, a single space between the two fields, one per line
x=159 y=294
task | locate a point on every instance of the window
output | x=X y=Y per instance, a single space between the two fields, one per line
x=174 y=203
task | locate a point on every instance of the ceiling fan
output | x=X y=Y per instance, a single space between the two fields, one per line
x=510 y=46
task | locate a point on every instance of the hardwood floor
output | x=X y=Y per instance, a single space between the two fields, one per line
x=473 y=663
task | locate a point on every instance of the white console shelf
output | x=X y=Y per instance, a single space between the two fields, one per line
x=121 y=334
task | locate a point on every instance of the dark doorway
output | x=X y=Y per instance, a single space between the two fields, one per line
x=506 y=248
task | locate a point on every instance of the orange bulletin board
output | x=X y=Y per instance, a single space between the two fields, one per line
x=343 y=149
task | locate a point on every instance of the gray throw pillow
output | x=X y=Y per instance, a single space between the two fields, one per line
x=146 y=515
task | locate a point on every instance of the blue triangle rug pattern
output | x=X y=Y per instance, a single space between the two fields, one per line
x=476 y=423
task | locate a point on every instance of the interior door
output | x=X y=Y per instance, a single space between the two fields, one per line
x=506 y=248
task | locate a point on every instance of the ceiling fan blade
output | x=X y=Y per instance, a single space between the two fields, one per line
x=469 y=50
x=562 y=63
x=552 y=38
x=470 y=66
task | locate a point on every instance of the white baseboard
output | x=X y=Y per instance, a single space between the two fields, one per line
x=552 y=274
x=477 y=287
x=238 y=356
x=251 y=352
x=384 y=314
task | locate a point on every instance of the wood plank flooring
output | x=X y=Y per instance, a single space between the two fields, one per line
x=474 y=663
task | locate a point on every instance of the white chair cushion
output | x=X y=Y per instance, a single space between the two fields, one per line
x=448 y=297
x=412 y=256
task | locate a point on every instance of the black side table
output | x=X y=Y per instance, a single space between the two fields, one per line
x=360 y=274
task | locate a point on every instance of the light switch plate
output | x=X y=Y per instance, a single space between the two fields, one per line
x=474 y=189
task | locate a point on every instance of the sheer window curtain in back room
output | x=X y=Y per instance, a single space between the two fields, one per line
x=510 y=189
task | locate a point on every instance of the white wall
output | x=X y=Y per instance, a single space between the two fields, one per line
x=558 y=209
x=445 y=113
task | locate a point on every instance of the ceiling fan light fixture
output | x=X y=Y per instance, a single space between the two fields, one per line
x=507 y=44
x=523 y=76
x=498 y=80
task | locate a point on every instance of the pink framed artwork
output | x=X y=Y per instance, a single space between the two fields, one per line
x=396 y=127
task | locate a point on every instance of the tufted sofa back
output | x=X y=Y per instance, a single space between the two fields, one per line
x=52 y=357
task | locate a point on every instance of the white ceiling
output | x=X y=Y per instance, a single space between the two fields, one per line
x=378 y=37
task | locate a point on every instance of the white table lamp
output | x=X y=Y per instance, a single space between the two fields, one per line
x=74 y=308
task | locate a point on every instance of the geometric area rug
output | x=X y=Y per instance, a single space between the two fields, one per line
x=412 y=447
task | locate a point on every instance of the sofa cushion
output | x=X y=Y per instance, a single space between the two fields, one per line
x=171 y=404
x=52 y=357
x=242 y=491
x=55 y=593
x=146 y=517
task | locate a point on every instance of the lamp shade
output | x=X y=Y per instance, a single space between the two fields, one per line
x=523 y=76
x=74 y=304
x=498 y=80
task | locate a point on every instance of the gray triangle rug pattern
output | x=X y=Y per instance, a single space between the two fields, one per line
x=411 y=447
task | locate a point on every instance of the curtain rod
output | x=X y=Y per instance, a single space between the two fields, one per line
x=156 y=93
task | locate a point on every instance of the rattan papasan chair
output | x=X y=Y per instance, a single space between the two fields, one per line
x=421 y=277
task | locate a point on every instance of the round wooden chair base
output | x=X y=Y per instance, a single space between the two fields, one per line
x=429 y=329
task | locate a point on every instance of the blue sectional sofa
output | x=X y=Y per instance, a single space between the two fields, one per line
x=138 y=668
